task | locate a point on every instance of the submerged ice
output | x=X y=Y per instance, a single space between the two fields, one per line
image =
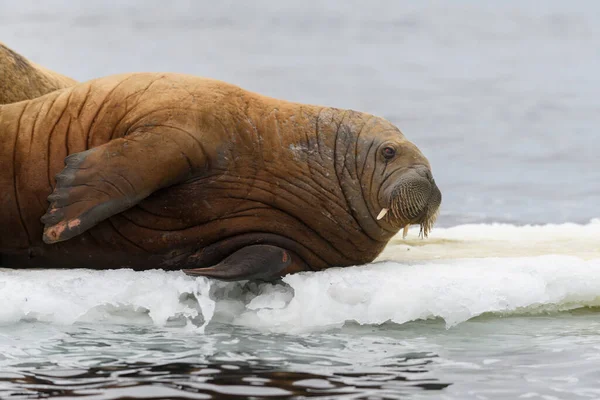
x=457 y=274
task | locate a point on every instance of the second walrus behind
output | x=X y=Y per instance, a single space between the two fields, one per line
x=179 y=172
x=20 y=79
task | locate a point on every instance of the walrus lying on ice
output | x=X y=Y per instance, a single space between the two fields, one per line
x=20 y=79
x=179 y=172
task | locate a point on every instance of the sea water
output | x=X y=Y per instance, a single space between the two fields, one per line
x=500 y=302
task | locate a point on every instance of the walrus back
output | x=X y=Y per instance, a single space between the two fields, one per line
x=23 y=80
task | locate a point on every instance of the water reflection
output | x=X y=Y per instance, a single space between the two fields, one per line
x=232 y=380
x=94 y=361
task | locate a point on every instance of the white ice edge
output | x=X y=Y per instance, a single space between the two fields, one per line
x=457 y=274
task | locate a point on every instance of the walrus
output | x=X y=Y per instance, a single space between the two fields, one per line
x=20 y=79
x=172 y=171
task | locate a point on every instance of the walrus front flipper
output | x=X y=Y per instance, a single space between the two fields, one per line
x=262 y=262
x=106 y=180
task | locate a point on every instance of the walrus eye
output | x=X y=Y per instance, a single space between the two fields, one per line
x=388 y=152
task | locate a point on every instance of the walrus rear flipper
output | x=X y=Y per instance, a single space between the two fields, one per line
x=261 y=262
x=106 y=180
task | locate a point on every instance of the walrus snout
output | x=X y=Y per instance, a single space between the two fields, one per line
x=412 y=197
x=424 y=172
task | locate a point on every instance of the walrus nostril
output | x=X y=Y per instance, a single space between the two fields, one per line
x=424 y=172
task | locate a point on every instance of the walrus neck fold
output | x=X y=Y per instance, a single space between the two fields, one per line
x=309 y=154
x=352 y=151
x=338 y=149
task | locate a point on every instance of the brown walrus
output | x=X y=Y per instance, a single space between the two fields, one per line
x=20 y=79
x=179 y=172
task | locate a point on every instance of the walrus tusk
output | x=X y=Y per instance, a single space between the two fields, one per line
x=405 y=232
x=382 y=213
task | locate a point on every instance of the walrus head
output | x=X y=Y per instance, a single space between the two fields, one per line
x=409 y=195
x=397 y=178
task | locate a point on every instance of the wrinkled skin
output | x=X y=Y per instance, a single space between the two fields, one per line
x=179 y=172
x=20 y=79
